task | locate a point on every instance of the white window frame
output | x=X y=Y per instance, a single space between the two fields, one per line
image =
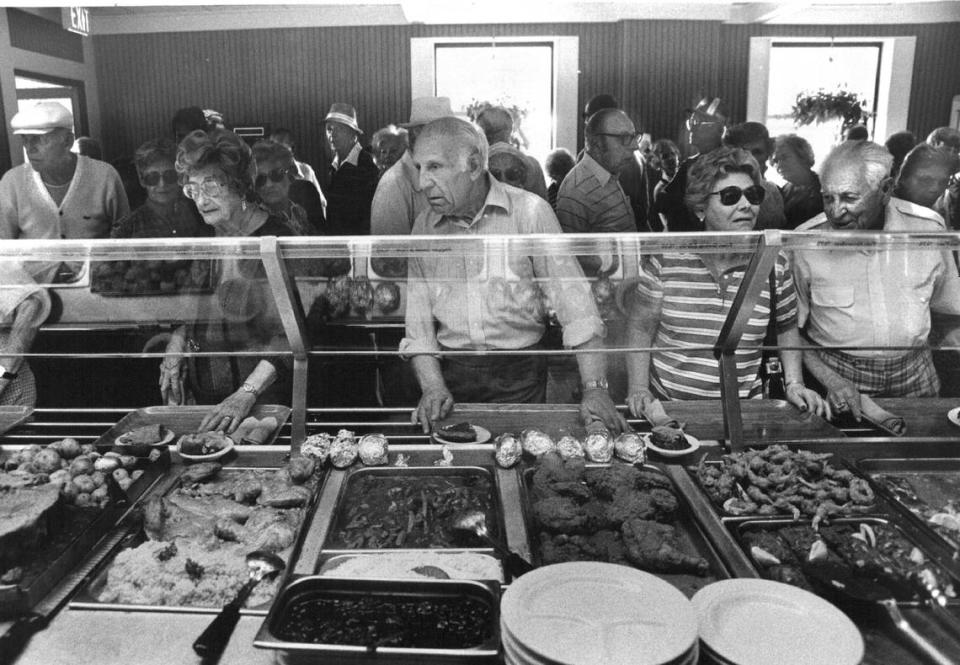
x=896 y=77
x=566 y=73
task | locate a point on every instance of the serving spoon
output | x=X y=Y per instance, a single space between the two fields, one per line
x=261 y=565
x=475 y=522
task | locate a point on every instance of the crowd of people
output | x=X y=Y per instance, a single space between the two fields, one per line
x=863 y=318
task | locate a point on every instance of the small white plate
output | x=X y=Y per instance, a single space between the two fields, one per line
x=665 y=452
x=167 y=438
x=483 y=435
x=206 y=458
x=953 y=415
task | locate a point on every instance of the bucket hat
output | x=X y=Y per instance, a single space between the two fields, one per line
x=345 y=114
x=428 y=109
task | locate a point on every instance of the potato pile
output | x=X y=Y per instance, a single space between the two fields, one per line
x=78 y=470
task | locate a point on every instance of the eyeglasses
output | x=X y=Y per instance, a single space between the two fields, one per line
x=210 y=187
x=153 y=178
x=276 y=175
x=508 y=176
x=625 y=138
x=731 y=195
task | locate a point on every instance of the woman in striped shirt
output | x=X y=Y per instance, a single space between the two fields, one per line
x=683 y=299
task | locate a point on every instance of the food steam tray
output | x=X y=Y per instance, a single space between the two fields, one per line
x=185 y=420
x=88 y=597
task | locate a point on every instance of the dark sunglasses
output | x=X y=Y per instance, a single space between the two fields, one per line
x=508 y=176
x=276 y=175
x=731 y=195
x=153 y=178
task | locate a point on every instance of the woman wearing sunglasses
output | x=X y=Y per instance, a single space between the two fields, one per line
x=166 y=212
x=683 y=299
x=218 y=172
x=276 y=172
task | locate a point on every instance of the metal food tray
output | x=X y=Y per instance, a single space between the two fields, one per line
x=946 y=550
x=11 y=416
x=21 y=597
x=295 y=653
x=739 y=528
x=99 y=286
x=185 y=420
x=494 y=526
x=692 y=537
x=330 y=559
x=87 y=597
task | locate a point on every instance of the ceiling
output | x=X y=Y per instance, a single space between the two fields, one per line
x=128 y=17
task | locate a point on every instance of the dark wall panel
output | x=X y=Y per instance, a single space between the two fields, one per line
x=290 y=77
x=35 y=33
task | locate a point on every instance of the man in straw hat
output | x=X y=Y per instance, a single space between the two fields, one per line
x=399 y=198
x=57 y=193
x=353 y=175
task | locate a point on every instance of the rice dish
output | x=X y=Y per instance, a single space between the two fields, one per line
x=156 y=573
x=401 y=565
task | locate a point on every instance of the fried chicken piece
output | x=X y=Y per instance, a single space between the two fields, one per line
x=656 y=547
x=560 y=514
x=272 y=530
x=282 y=495
x=247 y=491
x=597 y=517
x=628 y=504
x=553 y=469
x=651 y=479
x=665 y=502
x=606 y=482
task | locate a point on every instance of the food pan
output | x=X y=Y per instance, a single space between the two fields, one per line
x=740 y=529
x=746 y=506
x=365 y=498
x=331 y=561
x=89 y=595
x=691 y=539
x=918 y=489
x=481 y=619
x=185 y=419
x=77 y=531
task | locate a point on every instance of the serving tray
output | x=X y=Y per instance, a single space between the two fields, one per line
x=52 y=565
x=185 y=420
x=88 y=596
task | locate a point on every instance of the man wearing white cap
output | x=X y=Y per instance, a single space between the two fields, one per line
x=399 y=198
x=353 y=175
x=57 y=193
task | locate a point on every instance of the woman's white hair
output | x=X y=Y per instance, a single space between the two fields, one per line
x=873 y=160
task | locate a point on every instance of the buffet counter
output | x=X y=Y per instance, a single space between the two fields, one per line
x=81 y=635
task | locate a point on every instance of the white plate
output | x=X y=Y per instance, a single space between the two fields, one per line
x=206 y=458
x=757 y=622
x=167 y=438
x=694 y=444
x=953 y=415
x=483 y=435
x=587 y=612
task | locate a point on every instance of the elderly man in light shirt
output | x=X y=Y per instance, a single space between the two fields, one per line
x=490 y=302
x=860 y=299
x=399 y=199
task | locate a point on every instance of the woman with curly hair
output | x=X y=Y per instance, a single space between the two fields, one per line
x=683 y=299
x=218 y=172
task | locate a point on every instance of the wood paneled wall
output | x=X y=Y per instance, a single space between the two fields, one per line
x=290 y=77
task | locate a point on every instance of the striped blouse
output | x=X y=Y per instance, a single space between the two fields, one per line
x=695 y=306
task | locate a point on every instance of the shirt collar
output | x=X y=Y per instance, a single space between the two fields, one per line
x=497 y=197
x=353 y=157
x=598 y=172
x=899 y=222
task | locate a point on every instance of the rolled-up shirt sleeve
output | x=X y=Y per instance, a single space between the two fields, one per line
x=420 y=336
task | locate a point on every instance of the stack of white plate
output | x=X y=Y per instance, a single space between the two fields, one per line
x=757 y=622
x=584 y=613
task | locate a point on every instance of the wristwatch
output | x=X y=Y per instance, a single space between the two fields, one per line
x=249 y=388
x=596 y=383
x=7 y=374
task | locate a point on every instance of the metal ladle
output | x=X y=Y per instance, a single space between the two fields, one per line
x=261 y=565
x=475 y=522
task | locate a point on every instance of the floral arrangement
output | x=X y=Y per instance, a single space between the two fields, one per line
x=823 y=106
x=476 y=107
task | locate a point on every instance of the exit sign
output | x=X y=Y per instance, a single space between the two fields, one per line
x=76 y=19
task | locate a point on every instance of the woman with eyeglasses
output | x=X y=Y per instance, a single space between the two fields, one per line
x=276 y=172
x=218 y=172
x=166 y=212
x=682 y=300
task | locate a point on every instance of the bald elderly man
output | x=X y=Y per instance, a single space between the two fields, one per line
x=877 y=303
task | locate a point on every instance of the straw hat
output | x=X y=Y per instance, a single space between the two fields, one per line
x=345 y=114
x=42 y=118
x=427 y=109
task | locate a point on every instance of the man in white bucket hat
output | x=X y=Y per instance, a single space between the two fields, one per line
x=399 y=199
x=353 y=174
x=57 y=193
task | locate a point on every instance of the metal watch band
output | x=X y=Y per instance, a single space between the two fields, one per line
x=596 y=383
x=248 y=388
